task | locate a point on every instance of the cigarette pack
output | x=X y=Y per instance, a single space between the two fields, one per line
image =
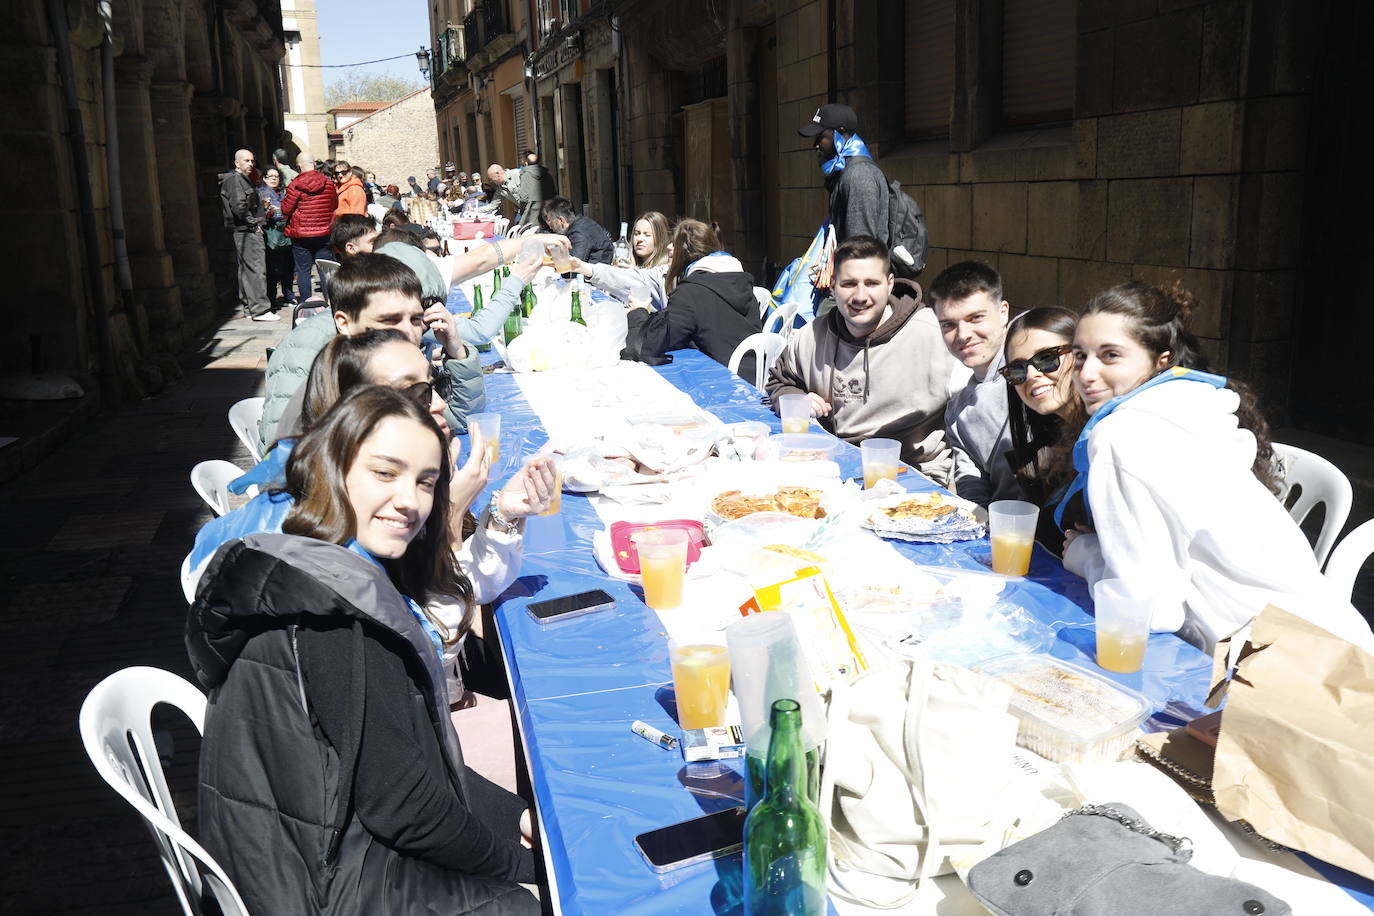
x=719 y=742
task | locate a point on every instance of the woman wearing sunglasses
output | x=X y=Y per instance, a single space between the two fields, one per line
x=331 y=779
x=352 y=198
x=1043 y=411
x=1177 y=473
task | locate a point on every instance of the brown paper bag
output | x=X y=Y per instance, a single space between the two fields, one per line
x=1296 y=754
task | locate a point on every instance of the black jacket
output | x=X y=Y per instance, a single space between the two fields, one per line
x=240 y=202
x=859 y=198
x=331 y=780
x=710 y=311
x=588 y=241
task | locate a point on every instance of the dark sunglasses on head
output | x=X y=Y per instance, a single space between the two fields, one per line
x=421 y=392
x=1045 y=361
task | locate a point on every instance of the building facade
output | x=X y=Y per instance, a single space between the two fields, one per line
x=393 y=142
x=1072 y=144
x=481 y=93
x=305 y=119
x=119 y=130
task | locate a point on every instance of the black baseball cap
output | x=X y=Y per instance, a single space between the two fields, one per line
x=831 y=117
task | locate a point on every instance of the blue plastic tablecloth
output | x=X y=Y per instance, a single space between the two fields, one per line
x=579 y=684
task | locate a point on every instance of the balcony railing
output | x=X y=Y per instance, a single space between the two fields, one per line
x=485 y=24
x=452 y=52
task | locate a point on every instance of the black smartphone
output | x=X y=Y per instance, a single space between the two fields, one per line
x=569 y=606
x=698 y=840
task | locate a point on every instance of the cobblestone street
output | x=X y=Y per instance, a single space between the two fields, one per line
x=90 y=544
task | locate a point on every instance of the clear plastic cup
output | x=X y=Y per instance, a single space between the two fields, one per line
x=562 y=259
x=1011 y=526
x=1123 y=626
x=701 y=683
x=490 y=425
x=882 y=460
x=663 y=566
x=768 y=664
x=795 y=412
x=555 y=504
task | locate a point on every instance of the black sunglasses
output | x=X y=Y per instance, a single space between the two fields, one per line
x=1044 y=361
x=421 y=392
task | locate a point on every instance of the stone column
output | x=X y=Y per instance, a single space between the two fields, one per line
x=153 y=271
x=176 y=182
x=214 y=154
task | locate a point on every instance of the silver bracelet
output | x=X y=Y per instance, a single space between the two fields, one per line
x=496 y=519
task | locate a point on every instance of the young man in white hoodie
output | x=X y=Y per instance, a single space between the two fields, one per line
x=874 y=365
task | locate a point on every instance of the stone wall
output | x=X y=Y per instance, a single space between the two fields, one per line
x=395 y=142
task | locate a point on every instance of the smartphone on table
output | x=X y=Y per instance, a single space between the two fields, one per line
x=698 y=840
x=570 y=606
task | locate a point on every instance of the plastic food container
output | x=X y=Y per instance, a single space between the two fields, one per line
x=1068 y=713
x=803 y=446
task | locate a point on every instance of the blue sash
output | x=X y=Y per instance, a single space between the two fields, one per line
x=1080 y=448
x=846 y=147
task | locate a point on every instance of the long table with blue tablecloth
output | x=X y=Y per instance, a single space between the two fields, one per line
x=578 y=685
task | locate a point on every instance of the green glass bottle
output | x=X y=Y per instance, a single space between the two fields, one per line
x=505 y=271
x=513 y=328
x=496 y=281
x=784 y=836
x=577 y=308
x=527 y=300
x=477 y=307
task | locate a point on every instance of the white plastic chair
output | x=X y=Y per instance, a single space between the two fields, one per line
x=325 y=267
x=780 y=322
x=116 y=727
x=764 y=297
x=1349 y=557
x=765 y=347
x=244 y=418
x=1318 y=481
x=211 y=480
x=501 y=225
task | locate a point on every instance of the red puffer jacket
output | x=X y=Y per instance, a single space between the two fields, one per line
x=309 y=205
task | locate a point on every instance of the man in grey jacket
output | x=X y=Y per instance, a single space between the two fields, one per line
x=858 y=188
x=243 y=214
x=968 y=303
x=874 y=365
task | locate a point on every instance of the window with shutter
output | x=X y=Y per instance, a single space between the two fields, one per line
x=929 y=66
x=1039 y=42
x=522 y=137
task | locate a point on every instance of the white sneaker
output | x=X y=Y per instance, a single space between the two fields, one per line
x=267 y=316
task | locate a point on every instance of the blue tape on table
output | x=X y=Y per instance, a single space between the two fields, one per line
x=580 y=683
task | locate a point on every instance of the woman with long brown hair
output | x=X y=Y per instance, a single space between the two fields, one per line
x=1176 y=470
x=330 y=775
x=711 y=304
x=650 y=248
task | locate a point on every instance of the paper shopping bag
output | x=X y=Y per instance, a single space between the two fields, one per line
x=1295 y=757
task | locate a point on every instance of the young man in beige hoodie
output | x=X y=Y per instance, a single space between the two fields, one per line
x=876 y=364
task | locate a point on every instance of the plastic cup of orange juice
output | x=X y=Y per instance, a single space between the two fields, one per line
x=1011 y=526
x=662 y=565
x=701 y=680
x=556 y=504
x=490 y=425
x=1123 y=626
x=795 y=412
x=882 y=459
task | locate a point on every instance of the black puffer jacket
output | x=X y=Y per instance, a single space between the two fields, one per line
x=710 y=310
x=331 y=780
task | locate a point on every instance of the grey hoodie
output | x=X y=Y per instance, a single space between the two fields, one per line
x=976 y=425
x=894 y=384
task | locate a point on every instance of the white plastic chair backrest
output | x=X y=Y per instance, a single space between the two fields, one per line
x=116 y=729
x=763 y=297
x=1318 y=481
x=243 y=419
x=1349 y=557
x=765 y=347
x=211 y=480
x=188 y=580
x=501 y=224
x=780 y=322
x=325 y=267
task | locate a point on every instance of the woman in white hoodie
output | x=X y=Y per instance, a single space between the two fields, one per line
x=1180 y=480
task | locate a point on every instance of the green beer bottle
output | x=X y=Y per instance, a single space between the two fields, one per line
x=512 y=328
x=784 y=836
x=505 y=271
x=577 y=308
x=496 y=281
x=527 y=300
x=477 y=307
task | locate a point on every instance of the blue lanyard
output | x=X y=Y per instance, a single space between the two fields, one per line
x=1080 y=448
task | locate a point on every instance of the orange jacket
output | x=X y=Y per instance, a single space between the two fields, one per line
x=352 y=197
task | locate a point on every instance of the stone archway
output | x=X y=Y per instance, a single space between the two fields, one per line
x=179 y=56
